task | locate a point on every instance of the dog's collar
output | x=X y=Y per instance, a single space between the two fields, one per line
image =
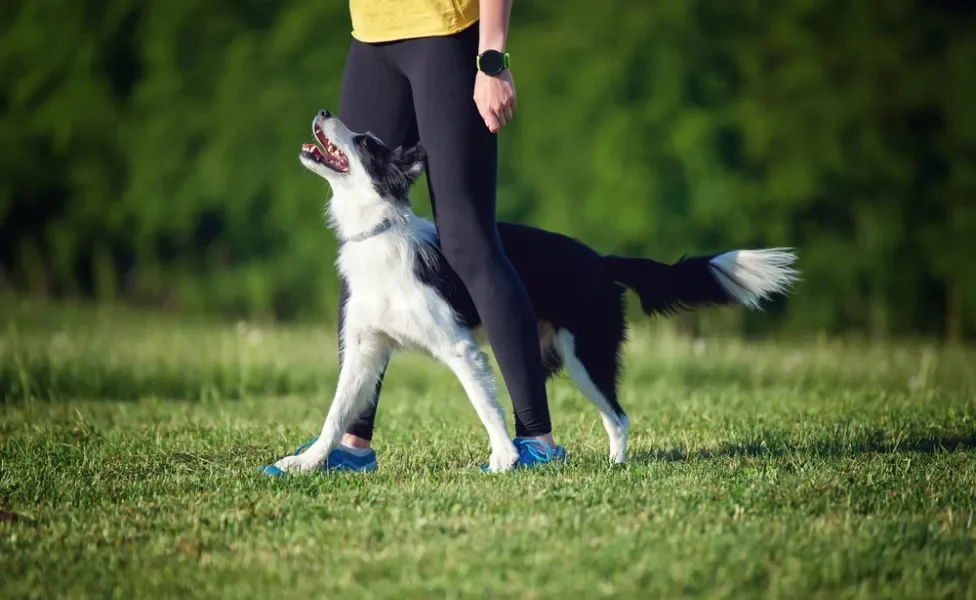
x=382 y=227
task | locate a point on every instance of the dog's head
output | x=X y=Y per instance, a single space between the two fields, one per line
x=357 y=161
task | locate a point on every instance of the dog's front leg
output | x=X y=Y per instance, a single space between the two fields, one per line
x=366 y=353
x=470 y=366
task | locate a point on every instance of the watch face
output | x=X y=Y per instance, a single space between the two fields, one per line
x=492 y=62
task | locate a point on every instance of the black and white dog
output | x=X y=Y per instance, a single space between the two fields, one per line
x=403 y=294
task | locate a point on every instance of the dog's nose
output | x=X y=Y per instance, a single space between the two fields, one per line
x=325 y=114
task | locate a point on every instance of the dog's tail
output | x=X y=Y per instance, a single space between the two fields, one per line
x=745 y=277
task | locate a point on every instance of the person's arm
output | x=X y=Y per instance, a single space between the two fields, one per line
x=493 y=25
x=494 y=95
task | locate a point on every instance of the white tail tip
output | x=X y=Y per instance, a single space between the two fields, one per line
x=751 y=276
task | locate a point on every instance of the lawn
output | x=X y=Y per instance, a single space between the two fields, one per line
x=130 y=447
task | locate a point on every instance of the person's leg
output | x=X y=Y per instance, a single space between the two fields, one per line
x=461 y=175
x=375 y=97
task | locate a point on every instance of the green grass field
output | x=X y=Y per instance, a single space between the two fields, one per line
x=129 y=450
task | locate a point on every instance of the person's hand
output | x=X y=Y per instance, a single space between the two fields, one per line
x=495 y=97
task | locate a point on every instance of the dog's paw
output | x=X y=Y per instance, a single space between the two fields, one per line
x=618 y=453
x=297 y=464
x=501 y=462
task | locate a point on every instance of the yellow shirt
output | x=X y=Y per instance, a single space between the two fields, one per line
x=390 y=20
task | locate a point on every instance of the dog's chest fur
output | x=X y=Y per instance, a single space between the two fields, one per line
x=385 y=292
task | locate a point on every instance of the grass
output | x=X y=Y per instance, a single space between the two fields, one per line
x=129 y=449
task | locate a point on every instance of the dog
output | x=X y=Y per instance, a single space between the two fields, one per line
x=403 y=295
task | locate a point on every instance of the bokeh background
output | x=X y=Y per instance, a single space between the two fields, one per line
x=149 y=150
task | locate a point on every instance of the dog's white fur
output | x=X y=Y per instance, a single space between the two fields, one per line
x=751 y=276
x=390 y=309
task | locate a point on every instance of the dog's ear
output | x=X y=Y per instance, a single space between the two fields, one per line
x=410 y=161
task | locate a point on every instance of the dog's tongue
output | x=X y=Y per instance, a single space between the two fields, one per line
x=309 y=147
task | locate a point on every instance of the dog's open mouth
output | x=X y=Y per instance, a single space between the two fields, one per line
x=332 y=157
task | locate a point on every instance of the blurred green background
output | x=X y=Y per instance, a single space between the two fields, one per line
x=150 y=150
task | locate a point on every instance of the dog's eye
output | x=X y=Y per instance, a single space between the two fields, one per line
x=364 y=142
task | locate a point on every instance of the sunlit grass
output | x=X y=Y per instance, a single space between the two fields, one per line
x=129 y=449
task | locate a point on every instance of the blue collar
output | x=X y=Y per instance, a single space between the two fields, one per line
x=382 y=227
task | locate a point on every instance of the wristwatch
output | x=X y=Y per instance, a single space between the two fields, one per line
x=492 y=62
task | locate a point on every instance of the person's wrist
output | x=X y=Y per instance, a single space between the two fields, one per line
x=491 y=43
x=492 y=62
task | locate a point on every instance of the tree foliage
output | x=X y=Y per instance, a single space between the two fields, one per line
x=150 y=148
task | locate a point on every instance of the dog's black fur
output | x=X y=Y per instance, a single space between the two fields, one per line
x=571 y=286
x=392 y=171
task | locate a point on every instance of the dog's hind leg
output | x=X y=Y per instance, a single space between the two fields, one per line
x=593 y=367
x=366 y=353
x=470 y=366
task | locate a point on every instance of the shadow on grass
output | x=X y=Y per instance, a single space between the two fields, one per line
x=10 y=517
x=43 y=376
x=39 y=378
x=42 y=379
x=727 y=377
x=876 y=442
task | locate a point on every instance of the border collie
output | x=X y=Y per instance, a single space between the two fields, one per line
x=404 y=296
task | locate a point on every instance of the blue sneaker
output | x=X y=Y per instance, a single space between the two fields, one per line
x=534 y=452
x=340 y=459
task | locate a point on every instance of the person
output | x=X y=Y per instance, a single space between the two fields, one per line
x=436 y=71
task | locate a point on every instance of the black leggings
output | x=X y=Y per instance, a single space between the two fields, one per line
x=422 y=89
